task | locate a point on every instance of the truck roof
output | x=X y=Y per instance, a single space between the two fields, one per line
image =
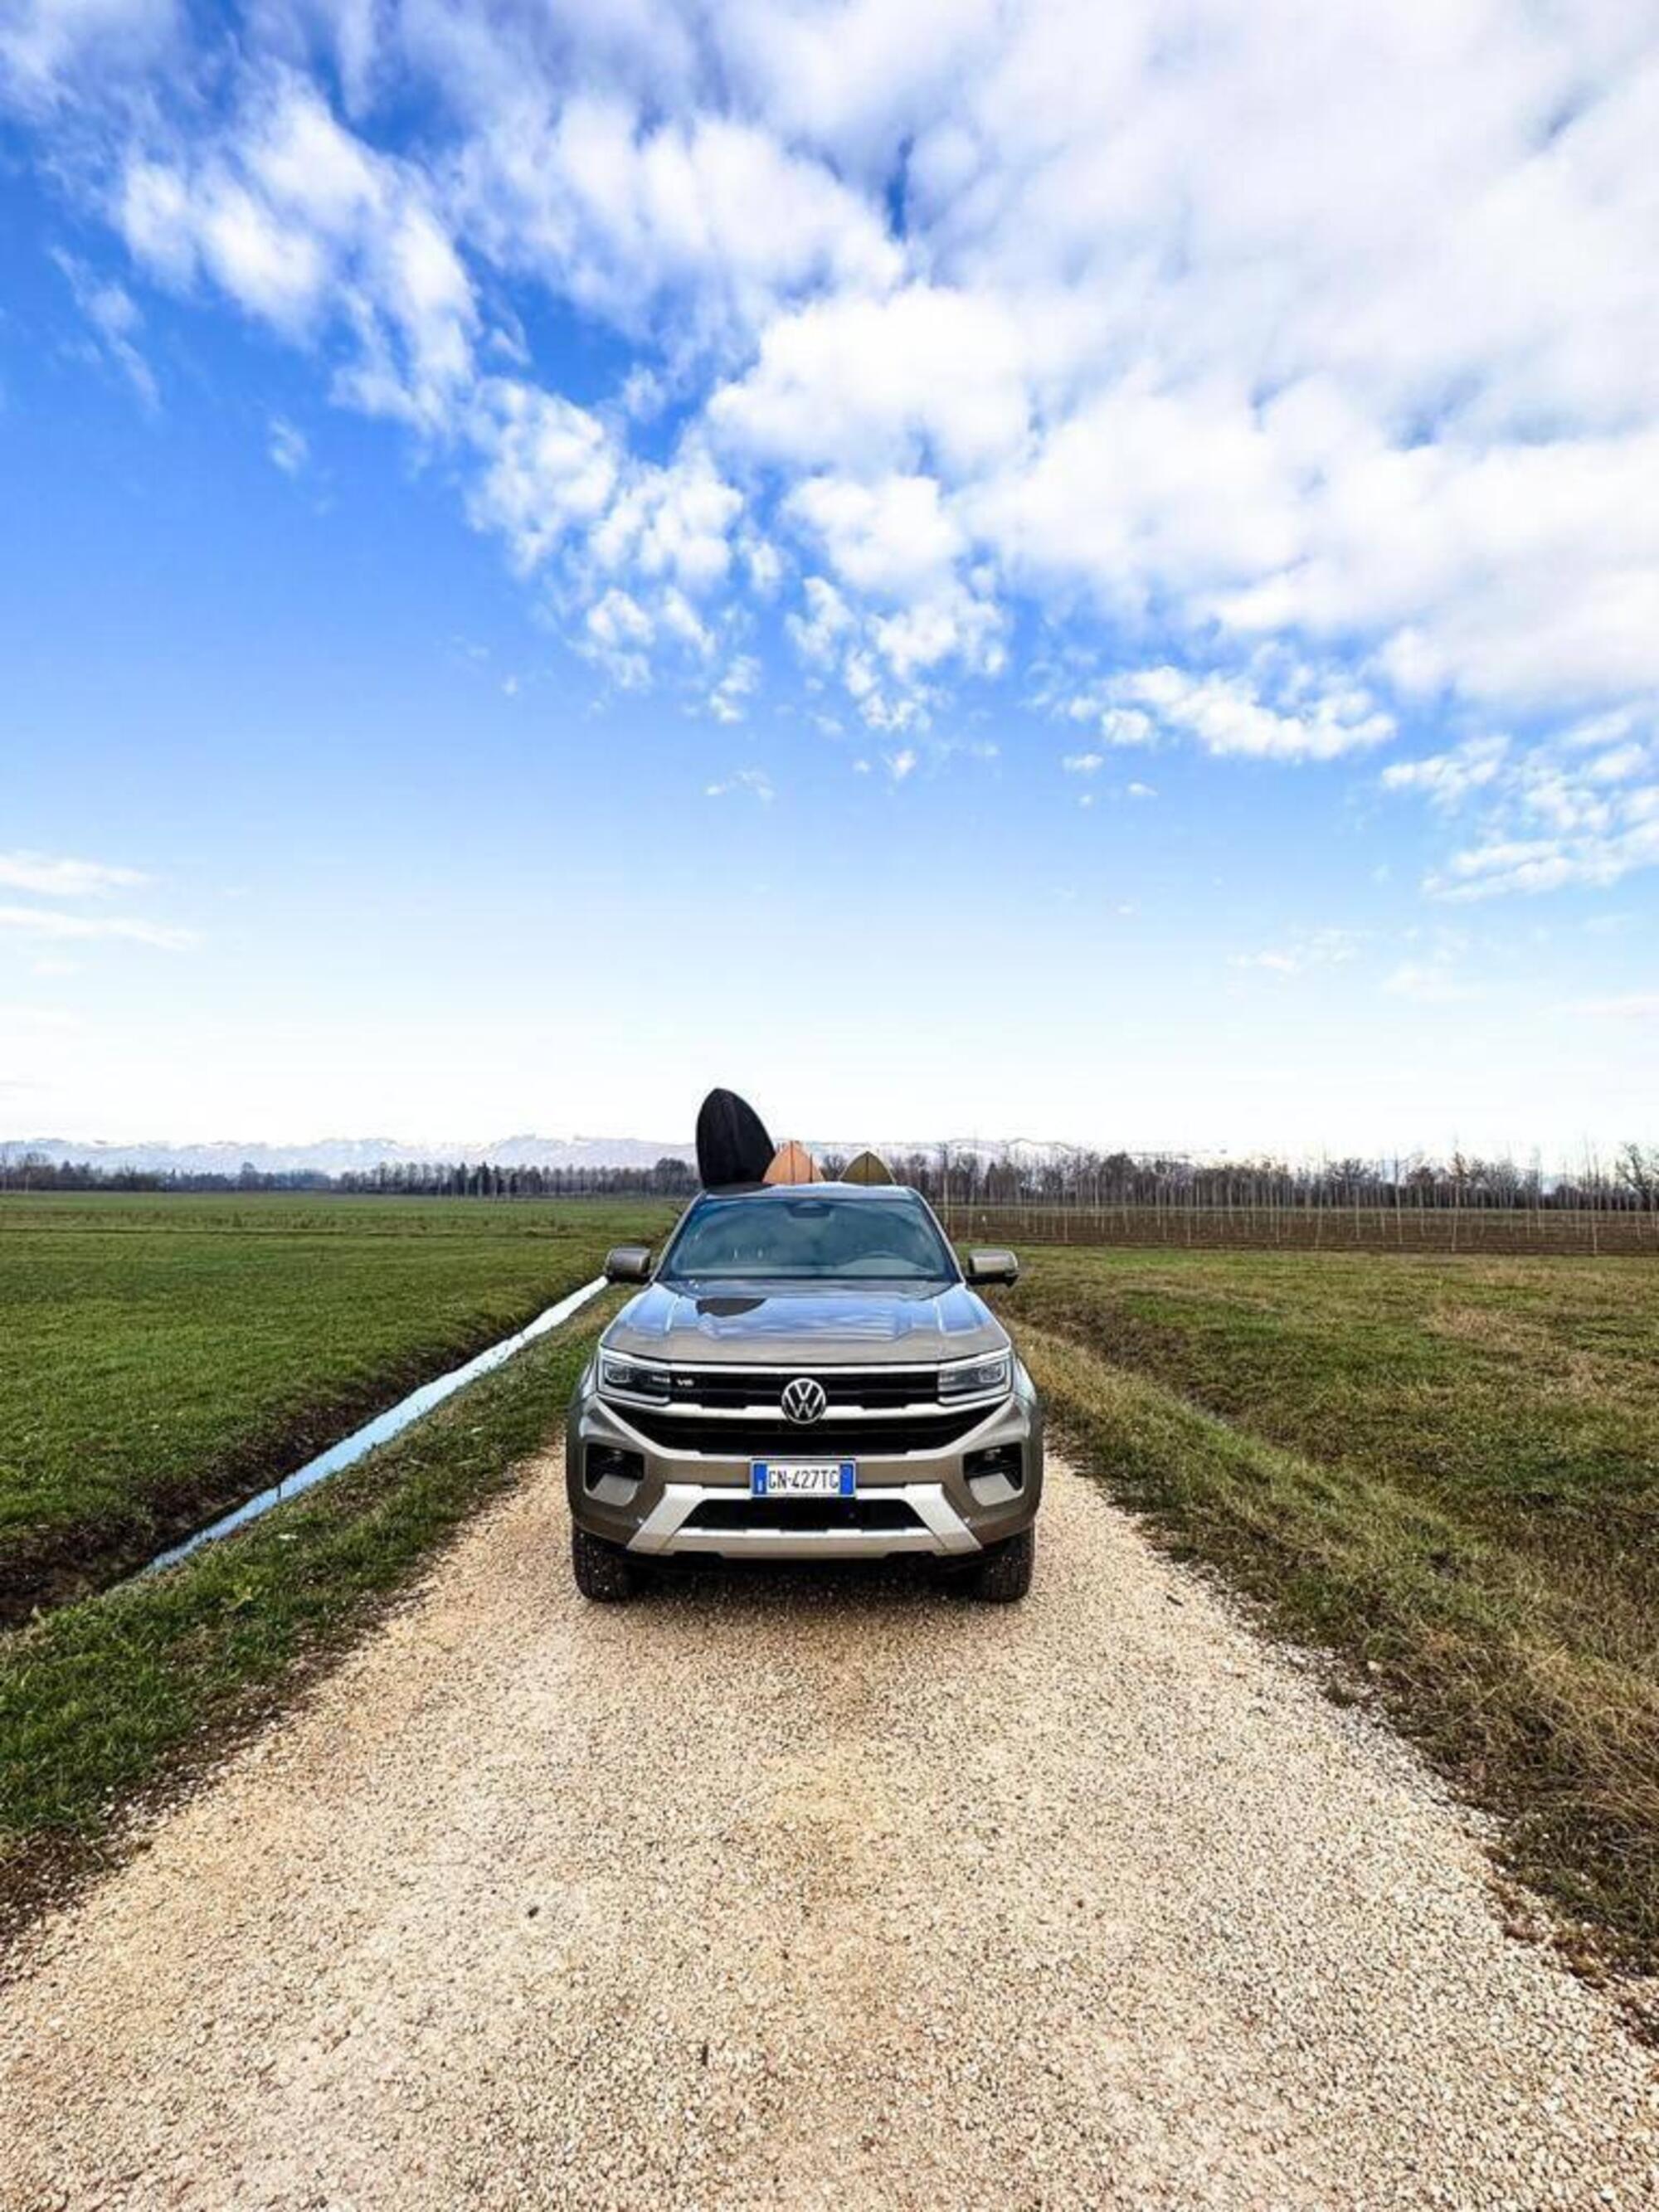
x=858 y=1190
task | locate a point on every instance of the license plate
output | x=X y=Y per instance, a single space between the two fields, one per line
x=812 y=1477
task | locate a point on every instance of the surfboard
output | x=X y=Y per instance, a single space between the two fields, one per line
x=867 y=1168
x=792 y=1163
x=732 y=1143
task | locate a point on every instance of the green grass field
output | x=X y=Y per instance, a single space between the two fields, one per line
x=166 y=1356
x=1446 y=1471
x=134 y=1690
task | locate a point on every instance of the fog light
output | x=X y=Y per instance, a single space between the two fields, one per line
x=999 y=1468
x=609 y=1472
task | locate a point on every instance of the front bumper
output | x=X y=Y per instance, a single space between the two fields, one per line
x=908 y=1501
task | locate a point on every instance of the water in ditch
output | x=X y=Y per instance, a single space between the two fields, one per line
x=380 y=1431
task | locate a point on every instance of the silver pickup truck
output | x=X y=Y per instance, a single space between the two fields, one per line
x=807 y=1374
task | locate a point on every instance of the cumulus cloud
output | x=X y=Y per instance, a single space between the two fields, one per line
x=871 y=384
x=639 y=543
x=709 y=212
x=307 y=228
x=1306 y=366
x=1279 y=710
x=1447 y=779
x=730 y=696
x=889 y=537
x=549 y=467
x=1580 y=806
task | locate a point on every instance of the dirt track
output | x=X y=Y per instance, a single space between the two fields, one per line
x=821 y=1894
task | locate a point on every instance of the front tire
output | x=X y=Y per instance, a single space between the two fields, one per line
x=1002 y=1574
x=603 y=1572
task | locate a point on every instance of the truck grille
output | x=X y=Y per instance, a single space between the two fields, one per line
x=825 y=1439
x=863 y=1387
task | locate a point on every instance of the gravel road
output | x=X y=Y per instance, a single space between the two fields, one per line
x=808 y=1893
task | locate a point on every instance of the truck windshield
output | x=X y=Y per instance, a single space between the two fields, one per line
x=810 y=1238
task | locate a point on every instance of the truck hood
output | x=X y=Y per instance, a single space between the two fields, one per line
x=766 y=1324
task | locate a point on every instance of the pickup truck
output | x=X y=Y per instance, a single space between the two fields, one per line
x=806 y=1373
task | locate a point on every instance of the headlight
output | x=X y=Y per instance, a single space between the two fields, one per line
x=632 y=1378
x=985 y=1378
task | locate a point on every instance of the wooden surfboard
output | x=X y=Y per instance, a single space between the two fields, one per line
x=732 y=1144
x=868 y=1167
x=792 y=1163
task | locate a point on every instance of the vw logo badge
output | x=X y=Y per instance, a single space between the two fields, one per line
x=803 y=1399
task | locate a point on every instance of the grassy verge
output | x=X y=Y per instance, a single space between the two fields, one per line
x=130 y=1690
x=1451 y=1482
x=165 y=1356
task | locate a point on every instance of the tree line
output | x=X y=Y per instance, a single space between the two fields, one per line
x=667 y=1177
x=950 y=1176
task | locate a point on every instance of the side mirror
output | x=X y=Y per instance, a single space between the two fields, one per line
x=628 y=1263
x=993 y=1267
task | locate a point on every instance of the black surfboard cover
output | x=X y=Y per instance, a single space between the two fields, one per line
x=732 y=1145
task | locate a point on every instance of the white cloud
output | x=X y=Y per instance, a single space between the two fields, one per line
x=888 y=538
x=1447 y=779
x=47 y=45
x=1126 y=725
x=727 y=699
x=1569 y=809
x=618 y=213
x=950 y=625
x=288 y=447
x=57 y=875
x=755 y=781
x=871 y=386
x=1501 y=864
x=307 y=227
x=1276 y=964
x=549 y=467
x=820 y=631
x=1329 y=333
x=620 y=633
x=1281 y=710
x=46 y=922
x=634 y=545
x=1083 y=764
x=115 y=320
x=1140 y=791
x=670 y=522
x=1311 y=950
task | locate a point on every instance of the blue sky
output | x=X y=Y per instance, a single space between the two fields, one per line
x=965 y=569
